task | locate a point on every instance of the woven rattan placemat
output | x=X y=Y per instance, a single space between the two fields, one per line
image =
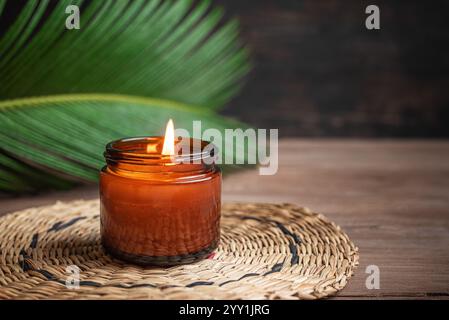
x=267 y=251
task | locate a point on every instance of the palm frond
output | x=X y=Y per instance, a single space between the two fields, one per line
x=160 y=49
x=66 y=93
x=64 y=136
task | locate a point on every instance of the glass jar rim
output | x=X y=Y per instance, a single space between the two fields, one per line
x=135 y=150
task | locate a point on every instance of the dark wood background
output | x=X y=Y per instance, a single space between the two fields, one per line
x=320 y=72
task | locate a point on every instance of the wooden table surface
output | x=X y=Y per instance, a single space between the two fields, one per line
x=390 y=196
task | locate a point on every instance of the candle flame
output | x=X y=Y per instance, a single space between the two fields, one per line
x=169 y=141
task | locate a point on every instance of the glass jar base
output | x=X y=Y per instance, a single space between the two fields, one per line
x=161 y=261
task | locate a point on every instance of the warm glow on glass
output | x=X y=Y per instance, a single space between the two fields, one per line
x=151 y=148
x=169 y=140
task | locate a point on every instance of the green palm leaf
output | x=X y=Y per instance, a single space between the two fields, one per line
x=163 y=50
x=118 y=76
x=64 y=136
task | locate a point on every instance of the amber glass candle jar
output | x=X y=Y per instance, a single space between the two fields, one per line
x=159 y=210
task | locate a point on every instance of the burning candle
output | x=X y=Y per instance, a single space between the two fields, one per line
x=160 y=207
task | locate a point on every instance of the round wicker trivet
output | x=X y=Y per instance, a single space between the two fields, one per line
x=267 y=251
